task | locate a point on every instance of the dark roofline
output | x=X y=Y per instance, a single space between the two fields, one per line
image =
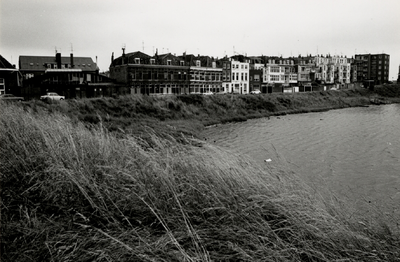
x=5 y=64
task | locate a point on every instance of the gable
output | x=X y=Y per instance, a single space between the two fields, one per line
x=5 y=64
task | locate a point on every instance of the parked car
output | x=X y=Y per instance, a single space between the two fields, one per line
x=11 y=97
x=52 y=96
x=255 y=92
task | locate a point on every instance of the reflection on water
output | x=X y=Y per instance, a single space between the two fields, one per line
x=353 y=152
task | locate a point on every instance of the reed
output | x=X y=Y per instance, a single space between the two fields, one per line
x=73 y=192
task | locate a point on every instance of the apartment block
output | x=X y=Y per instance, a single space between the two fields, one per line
x=372 y=68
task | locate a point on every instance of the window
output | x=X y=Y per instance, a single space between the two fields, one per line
x=274 y=69
x=169 y=62
x=198 y=63
x=137 y=60
x=2 y=86
x=152 y=61
x=182 y=63
x=274 y=78
x=256 y=78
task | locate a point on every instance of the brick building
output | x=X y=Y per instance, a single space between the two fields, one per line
x=372 y=68
x=166 y=73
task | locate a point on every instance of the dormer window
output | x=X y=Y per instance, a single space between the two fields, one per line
x=152 y=61
x=182 y=63
x=198 y=63
x=137 y=61
x=169 y=62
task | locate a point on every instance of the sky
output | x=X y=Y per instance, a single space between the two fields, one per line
x=218 y=28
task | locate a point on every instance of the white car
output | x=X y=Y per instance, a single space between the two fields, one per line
x=52 y=96
x=255 y=92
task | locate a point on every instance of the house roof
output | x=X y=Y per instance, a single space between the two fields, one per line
x=4 y=64
x=130 y=58
x=39 y=63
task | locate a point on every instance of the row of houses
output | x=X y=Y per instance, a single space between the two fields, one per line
x=171 y=74
x=140 y=73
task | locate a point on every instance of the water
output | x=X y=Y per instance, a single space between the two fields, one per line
x=354 y=152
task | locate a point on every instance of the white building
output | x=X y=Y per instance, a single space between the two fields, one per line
x=281 y=71
x=240 y=72
x=332 y=69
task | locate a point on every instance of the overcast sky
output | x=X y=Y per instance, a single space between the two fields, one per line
x=206 y=27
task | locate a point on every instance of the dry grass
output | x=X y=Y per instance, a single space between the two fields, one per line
x=72 y=193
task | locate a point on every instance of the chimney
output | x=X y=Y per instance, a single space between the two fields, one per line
x=123 y=55
x=58 y=60
x=72 y=60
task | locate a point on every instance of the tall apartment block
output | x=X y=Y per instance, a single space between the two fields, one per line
x=372 y=68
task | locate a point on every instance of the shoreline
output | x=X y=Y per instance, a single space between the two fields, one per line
x=190 y=114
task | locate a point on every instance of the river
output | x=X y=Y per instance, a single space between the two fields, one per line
x=352 y=152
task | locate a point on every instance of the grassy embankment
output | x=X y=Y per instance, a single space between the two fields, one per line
x=188 y=114
x=73 y=192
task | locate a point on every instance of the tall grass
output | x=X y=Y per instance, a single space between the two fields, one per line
x=73 y=193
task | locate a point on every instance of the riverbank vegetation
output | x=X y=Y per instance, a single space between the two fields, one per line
x=125 y=180
x=189 y=114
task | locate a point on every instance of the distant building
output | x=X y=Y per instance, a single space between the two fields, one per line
x=10 y=78
x=205 y=76
x=225 y=64
x=160 y=74
x=332 y=69
x=280 y=72
x=73 y=77
x=166 y=73
x=256 y=72
x=31 y=66
x=240 y=70
x=372 y=68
